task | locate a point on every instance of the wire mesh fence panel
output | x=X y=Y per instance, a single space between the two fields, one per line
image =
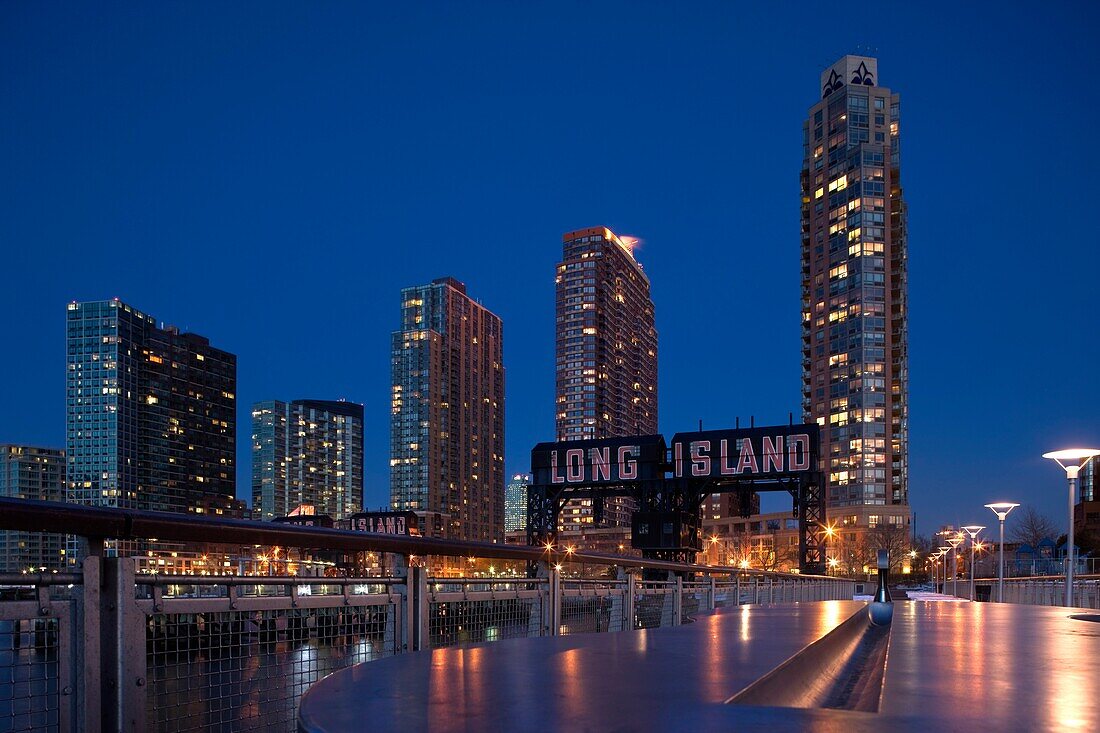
x=725 y=594
x=692 y=602
x=30 y=668
x=587 y=614
x=246 y=670
x=653 y=607
x=454 y=618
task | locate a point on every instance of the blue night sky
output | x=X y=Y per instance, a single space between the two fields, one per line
x=271 y=174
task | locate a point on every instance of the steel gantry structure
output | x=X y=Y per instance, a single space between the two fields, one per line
x=670 y=484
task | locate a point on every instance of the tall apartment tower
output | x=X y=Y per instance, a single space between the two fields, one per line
x=27 y=472
x=515 y=502
x=855 y=364
x=447 y=420
x=307 y=453
x=150 y=413
x=606 y=347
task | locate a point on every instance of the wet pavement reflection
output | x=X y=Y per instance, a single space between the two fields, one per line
x=593 y=681
x=949 y=666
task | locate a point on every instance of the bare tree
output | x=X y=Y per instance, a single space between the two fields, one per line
x=1030 y=527
x=781 y=556
x=890 y=537
x=922 y=544
x=740 y=549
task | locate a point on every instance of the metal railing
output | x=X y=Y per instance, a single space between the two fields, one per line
x=111 y=649
x=1037 y=591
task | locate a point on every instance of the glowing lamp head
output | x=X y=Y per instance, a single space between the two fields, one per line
x=1072 y=454
x=973 y=530
x=1072 y=459
x=1002 y=508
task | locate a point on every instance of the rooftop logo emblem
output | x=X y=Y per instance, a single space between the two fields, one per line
x=861 y=76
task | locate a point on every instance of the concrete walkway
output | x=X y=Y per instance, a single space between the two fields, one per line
x=949 y=666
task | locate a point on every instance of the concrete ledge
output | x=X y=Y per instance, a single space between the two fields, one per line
x=810 y=678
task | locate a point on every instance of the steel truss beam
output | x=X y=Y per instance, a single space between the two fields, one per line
x=687 y=494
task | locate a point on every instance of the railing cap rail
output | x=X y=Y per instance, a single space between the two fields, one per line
x=131 y=524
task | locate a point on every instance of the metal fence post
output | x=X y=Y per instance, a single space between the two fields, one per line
x=89 y=710
x=403 y=628
x=418 y=610
x=737 y=588
x=711 y=593
x=555 y=601
x=546 y=596
x=122 y=647
x=678 y=601
x=628 y=603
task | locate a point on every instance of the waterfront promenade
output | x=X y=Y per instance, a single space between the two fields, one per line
x=108 y=648
x=948 y=666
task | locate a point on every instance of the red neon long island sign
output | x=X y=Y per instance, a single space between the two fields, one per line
x=604 y=461
x=753 y=452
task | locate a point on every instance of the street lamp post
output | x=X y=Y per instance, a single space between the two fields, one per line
x=1074 y=460
x=944 y=550
x=954 y=541
x=972 y=530
x=1001 y=509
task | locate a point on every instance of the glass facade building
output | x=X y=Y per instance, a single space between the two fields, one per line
x=515 y=503
x=447 y=418
x=606 y=354
x=307 y=453
x=27 y=472
x=150 y=413
x=854 y=302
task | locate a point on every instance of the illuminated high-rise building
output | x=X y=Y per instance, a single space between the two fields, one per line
x=307 y=454
x=150 y=413
x=27 y=472
x=606 y=349
x=854 y=303
x=515 y=502
x=447 y=421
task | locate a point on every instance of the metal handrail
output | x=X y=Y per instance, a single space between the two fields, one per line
x=238 y=581
x=38 y=579
x=1022 y=578
x=130 y=524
